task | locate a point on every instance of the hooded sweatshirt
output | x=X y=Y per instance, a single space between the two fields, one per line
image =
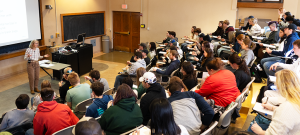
x=98 y=106
x=288 y=44
x=52 y=117
x=154 y=91
x=122 y=117
x=135 y=66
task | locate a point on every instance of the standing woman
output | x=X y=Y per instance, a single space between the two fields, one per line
x=32 y=54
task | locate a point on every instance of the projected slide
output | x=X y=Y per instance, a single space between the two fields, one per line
x=13 y=21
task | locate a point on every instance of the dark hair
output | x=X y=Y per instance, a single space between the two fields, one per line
x=138 y=55
x=215 y=64
x=98 y=88
x=198 y=30
x=189 y=69
x=206 y=44
x=47 y=94
x=152 y=46
x=284 y=36
x=194 y=27
x=89 y=127
x=288 y=13
x=209 y=55
x=221 y=22
x=162 y=118
x=95 y=74
x=176 y=84
x=172 y=33
x=173 y=48
x=234 y=58
x=174 y=53
x=22 y=101
x=127 y=81
x=124 y=91
x=289 y=18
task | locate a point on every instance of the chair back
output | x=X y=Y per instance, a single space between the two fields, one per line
x=148 y=66
x=247 y=89
x=65 y=131
x=81 y=107
x=238 y=100
x=210 y=129
x=132 y=130
x=21 y=129
x=224 y=121
x=172 y=74
x=110 y=91
x=252 y=62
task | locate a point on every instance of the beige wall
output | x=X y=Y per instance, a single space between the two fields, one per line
x=291 y=6
x=177 y=15
x=260 y=13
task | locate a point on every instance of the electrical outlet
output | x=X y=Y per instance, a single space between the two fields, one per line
x=93 y=42
x=49 y=40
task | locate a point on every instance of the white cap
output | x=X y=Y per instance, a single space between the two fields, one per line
x=148 y=77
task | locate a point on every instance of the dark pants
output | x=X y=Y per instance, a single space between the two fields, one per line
x=118 y=80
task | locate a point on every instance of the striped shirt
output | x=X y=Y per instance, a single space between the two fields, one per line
x=34 y=54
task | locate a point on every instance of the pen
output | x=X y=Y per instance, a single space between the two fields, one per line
x=267 y=100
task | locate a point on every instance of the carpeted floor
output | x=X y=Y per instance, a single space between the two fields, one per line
x=115 y=56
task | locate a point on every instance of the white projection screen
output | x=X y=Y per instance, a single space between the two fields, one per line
x=19 y=21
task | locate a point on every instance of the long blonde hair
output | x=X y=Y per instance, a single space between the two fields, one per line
x=288 y=84
x=139 y=73
x=32 y=42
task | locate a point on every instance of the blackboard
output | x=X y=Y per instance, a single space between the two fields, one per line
x=91 y=23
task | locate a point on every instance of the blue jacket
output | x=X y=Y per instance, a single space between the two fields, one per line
x=98 y=106
x=288 y=45
x=173 y=66
x=182 y=99
x=237 y=47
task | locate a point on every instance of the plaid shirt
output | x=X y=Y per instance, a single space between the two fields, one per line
x=35 y=54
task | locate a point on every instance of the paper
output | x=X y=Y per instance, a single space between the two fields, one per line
x=144 y=131
x=254 y=36
x=228 y=47
x=215 y=36
x=162 y=52
x=134 y=86
x=44 y=61
x=162 y=45
x=260 y=38
x=270 y=46
x=161 y=63
x=204 y=76
x=190 y=48
x=191 y=57
x=189 y=42
x=46 y=65
x=259 y=108
x=225 y=61
x=151 y=70
x=272 y=79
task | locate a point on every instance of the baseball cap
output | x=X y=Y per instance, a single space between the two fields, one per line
x=67 y=70
x=292 y=26
x=201 y=35
x=143 y=45
x=250 y=17
x=148 y=77
x=145 y=51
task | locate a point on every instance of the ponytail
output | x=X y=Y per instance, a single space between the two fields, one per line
x=234 y=58
x=243 y=66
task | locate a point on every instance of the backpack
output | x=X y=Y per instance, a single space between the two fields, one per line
x=255 y=73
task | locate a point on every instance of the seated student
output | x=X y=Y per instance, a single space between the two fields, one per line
x=146 y=59
x=162 y=119
x=242 y=73
x=219 y=31
x=88 y=127
x=140 y=90
x=294 y=67
x=154 y=90
x=199 y=53
x=167 y=39
x=287 y=16
x=207 y=57
x=226 y=29
x=273 y=36
x=37 y=99
x=100 y=102
x=255 y=29
x=220 y=85
x=189 y=75
x=192 y=35
x=171 y=42
x=18 y=116
x=248 y=26
x=142 y=47
x=286 y=117
x=63 y=89
x=78 y=93
x=129 y=82
x=166 y=58
x=94 y=76
x=124 y=115
x=246 y=53
x=173 y=65
x=190 y=106
x=51 y=116
x=152 y=50
x=235 y=46
x=140 y=62
x=288 y=46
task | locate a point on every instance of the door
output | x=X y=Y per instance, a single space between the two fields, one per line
x=126 y=31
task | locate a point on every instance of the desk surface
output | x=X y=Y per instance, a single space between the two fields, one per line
x=53 y=65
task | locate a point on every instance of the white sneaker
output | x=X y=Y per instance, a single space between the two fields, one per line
x=258 y=67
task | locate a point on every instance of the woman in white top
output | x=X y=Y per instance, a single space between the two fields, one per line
x=192 y=35
x=255 y=29
x=282 y=39
x=152 y=50
x=285 y=120
x=32 y=55
x=162 y=119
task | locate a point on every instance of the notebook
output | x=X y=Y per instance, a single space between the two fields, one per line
x=259 y=108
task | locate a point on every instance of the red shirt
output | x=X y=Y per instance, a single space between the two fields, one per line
x=221 y=87
x=51 y=117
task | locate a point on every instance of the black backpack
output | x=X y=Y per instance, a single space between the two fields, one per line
x=257 y=74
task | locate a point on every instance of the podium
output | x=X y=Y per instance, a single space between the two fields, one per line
x=81 y=62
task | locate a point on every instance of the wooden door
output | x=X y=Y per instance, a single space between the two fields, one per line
x=126 y=30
